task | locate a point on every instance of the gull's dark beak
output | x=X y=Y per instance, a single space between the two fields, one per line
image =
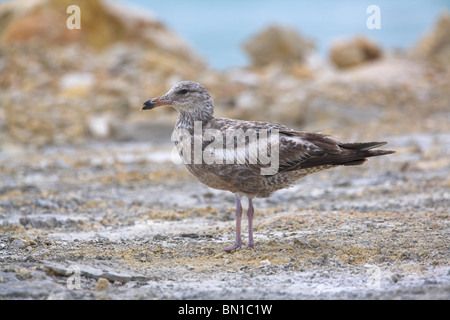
x=155 y=102
x=148 y=105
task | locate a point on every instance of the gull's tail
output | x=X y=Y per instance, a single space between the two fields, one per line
x=358 y=152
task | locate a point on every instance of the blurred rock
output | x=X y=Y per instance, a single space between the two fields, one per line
x=100 y=126
x=18 y=244
x=436 y=45
x=102 y=25
x=349 y=53
x=102 y=284
x=71 y=92
x=56 y=81
x=76 y=84
x=278 y=44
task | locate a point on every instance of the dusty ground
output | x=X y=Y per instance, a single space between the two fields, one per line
x=124 y=212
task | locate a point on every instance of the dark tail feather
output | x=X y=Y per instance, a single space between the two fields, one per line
x=354 y=163
x=362 y=146
x=375 y=153
x=363 y=150
x=351 y=154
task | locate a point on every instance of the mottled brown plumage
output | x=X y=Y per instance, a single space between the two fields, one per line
x=299 y=153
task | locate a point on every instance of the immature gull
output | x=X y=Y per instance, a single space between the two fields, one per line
x=199 y=138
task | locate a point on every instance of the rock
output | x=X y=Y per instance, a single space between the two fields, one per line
x=395 y=278
x=47 y=204
x=278 y=44
x=264 y=263
x=100 y=126
x=349 y=53
x=102 y=284
x=160 y=237
x=23 y=274
x=189 y=235
x=18 y=244
x=77 y=80
x=94 y=273
x=436 y=45
x=76 y=83
x=102 y=25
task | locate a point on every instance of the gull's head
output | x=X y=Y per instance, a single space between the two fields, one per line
x=185 y=96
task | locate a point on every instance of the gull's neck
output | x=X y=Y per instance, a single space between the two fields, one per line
x=188 y=116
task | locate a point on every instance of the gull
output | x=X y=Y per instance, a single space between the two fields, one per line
x=295 y=154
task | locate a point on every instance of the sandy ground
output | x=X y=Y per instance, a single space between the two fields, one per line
x=72 y=217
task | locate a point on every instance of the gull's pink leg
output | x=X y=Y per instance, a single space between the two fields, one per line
x=238 y=242
x=250 y=213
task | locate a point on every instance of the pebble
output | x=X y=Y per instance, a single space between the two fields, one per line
x=189 y=235
x=430 y=281
x=102 y=284
x=23 y=274
x=18 y=244
x=395 y=278
x=45 y=204
x=264 y=263
x=159 y=237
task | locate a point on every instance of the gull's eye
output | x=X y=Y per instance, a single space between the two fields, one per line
x=183 y=91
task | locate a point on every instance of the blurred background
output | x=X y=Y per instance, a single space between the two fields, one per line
x=218 y=29
x=312 y=65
